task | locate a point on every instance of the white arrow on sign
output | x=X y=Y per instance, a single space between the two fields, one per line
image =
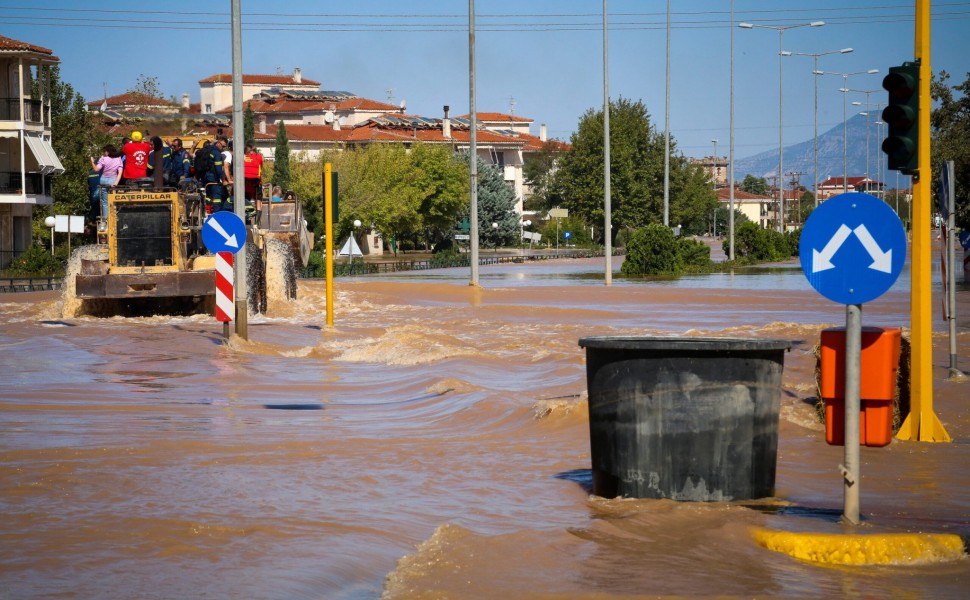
x=881 y=261
x=230 y=239
x=822 y=261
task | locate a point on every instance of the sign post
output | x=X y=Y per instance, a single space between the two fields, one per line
x=328 y=217
x=224 y=233
x=949 y=258
x=852 y=250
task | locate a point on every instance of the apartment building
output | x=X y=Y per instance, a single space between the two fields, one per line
x=27 y=159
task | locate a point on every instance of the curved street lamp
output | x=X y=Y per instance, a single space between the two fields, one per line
x=845 y=90
x=815 y=55
x=781 y=144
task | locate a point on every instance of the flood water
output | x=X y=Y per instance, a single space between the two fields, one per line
x=434 y=443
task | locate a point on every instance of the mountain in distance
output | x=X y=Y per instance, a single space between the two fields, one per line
x=800 y=157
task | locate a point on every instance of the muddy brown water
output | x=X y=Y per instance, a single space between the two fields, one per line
x=433 y=444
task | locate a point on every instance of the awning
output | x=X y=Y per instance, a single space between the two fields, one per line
x=44 y=153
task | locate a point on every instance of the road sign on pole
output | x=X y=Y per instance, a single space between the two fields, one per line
x=853 y=248
x=223 y=231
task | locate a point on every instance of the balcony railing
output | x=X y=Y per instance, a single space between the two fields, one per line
x=11 y=183
x=10 y=110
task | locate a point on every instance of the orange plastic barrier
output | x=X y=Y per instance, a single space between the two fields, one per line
x=879 y=363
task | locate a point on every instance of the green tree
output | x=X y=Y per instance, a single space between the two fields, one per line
x=379 y=186
x=692 y=197
x=806 y=205
x=442 y=178
x=249 y=125
x=538 y=173
x=281 y=159
x=636 y=167
x=306 y=180
x=496 y=204
x=754 y=185
x=950 y=124
x=652 y=250
x=636 y=172
x=147 y=90
x=553 y=229
x=75 y=137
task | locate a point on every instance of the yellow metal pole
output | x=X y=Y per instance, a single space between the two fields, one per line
x=328 y=233
x=922 y=423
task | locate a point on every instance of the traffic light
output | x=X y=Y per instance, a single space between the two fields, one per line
x=902 y=116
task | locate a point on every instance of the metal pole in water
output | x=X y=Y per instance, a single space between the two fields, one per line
x=850 y=467
x=607 y=204
x=328 y=236
x=238 y=192
x=472 y=145
x=951 y=270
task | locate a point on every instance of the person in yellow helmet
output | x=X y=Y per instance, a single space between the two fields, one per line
x=136 y=157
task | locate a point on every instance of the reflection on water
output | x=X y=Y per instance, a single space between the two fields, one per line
x=433 y=443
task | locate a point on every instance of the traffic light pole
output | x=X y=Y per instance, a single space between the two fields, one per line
x=922 y=423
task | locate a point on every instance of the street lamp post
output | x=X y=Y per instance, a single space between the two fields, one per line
x=879 y=171
x=815 y=56
x=781 y=107
x=869 y=106
x=714 y=162
x=845 y=90
x=50 y=222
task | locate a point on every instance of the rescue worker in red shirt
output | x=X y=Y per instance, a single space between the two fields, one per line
x=136 y=157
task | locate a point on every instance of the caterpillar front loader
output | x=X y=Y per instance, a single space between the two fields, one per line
x=151 y=259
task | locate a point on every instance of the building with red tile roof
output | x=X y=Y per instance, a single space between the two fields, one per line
x=215 y=91
x=27 y=157
x=314 y=108
x=837 y=185
x=134 y=102
x=762 y=210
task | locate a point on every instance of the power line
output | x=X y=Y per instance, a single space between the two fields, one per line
x=426 y=28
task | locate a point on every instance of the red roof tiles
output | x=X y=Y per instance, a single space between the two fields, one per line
x=133 y=99
x=10 y=44
x=495 y=116
x=259 y=80
x=289 y=105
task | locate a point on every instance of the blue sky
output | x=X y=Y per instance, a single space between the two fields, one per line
x=538 y=59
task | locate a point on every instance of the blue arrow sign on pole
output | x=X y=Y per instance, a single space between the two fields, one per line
x=223 y=231
x=852 y=248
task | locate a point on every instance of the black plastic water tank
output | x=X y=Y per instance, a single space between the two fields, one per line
x=685 y=418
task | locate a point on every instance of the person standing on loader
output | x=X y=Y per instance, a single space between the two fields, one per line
x=136 y=157
x=181 y=163
x=211 y=175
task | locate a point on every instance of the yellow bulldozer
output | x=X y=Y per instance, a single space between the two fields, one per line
x=151 y=258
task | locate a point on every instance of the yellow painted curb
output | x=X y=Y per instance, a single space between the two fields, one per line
x=875 y=549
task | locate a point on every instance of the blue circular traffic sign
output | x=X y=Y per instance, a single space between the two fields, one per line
x=223 y=231
x=852 y=248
